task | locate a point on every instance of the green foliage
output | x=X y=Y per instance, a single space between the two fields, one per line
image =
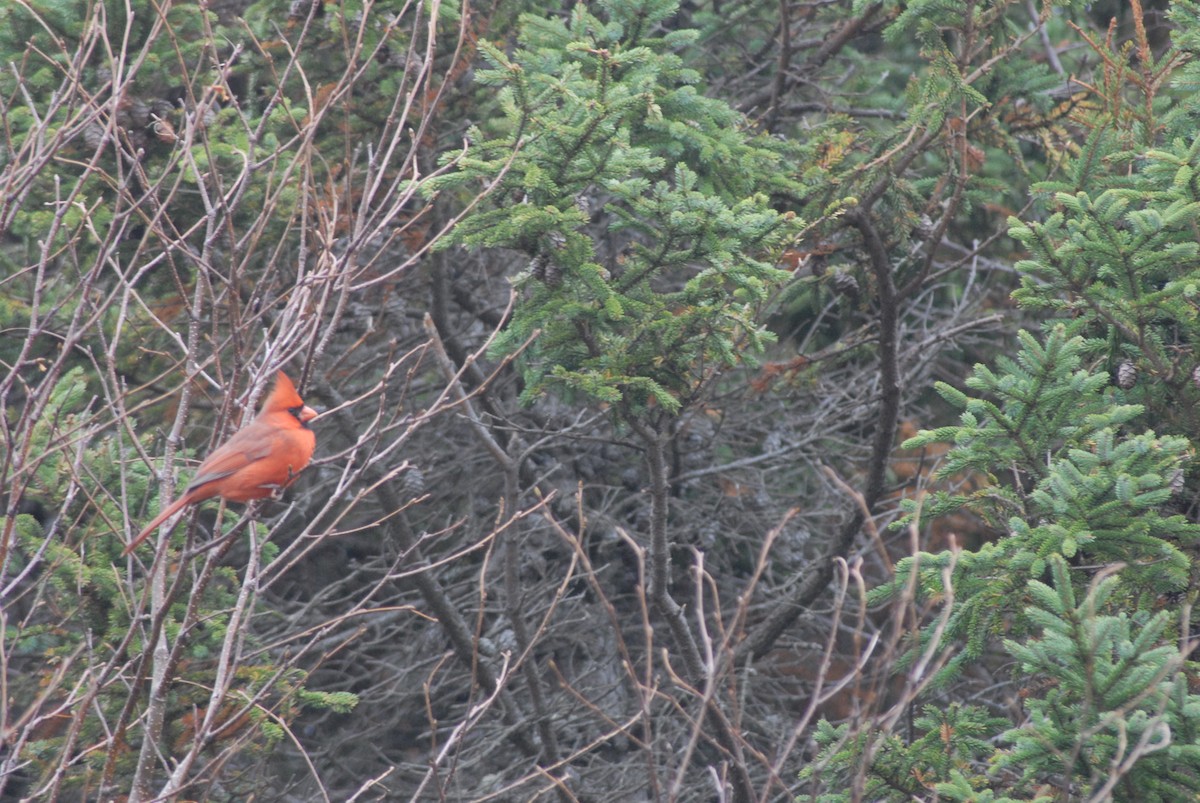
x=951 y=741
x=602 y=119
x=341 y=702
x=1040 y=403
x=1082 y=443
x=83 y=124
x=1116 y=703
x=370 y=38
x=960 y=788
x=1124 y=264
x=1185 y=81
x=1074 y=484
x=84 y=612
x=651 y=217
x=58 y=49
x=1083 y=490
x=986 y=104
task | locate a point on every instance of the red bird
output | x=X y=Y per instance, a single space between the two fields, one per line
x=260 y=458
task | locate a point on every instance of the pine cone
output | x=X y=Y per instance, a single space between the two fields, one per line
x=553 y=273
x=414 y=482
x=1127 y=374
x=845 y=284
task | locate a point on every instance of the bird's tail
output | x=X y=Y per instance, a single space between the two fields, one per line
x=166 y=513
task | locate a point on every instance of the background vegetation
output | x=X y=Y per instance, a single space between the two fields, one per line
x=722 y=401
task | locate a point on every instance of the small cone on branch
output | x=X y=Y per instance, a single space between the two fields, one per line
x=1127 y=374
x=845 y=284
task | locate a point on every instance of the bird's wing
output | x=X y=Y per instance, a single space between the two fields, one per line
x=245 y=447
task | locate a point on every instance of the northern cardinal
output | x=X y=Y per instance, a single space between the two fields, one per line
x=260 y=458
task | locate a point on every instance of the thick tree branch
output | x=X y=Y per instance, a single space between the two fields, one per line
x=817 y=579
